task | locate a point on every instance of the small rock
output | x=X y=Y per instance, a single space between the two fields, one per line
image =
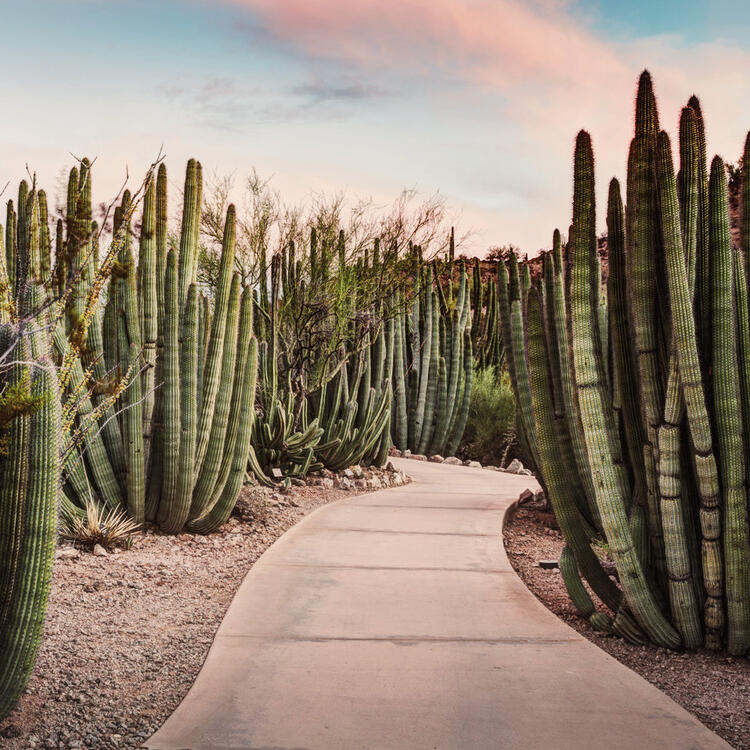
x=397 y=479
x=324 y=482
x=525 y=472
x=418 y=457
x=298 y=482
x=437 y=459
x=374 y=483
x=68 y=553
x=514 y=467
x=525 y=496
x=360 y=484
x=474 y=464
x=394 y=452
x=357 y=471
x=390 y=468
x=348 y=473
x=452 y=461
x=489 y=467
x=346 y=484
x=99 y=551
x=406 y=453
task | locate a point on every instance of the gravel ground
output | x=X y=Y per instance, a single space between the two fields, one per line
x=127 y=633
x=714 y=687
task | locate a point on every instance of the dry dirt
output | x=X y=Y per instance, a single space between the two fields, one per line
x=714 y=687
x=127 y=633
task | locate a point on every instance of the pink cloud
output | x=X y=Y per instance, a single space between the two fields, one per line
x=490 y=41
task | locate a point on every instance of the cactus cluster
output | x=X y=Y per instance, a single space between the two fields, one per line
x=430 y=337
x=165 y=445
x=338 y=415
x=635 y=397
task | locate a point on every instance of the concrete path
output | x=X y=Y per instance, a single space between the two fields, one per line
x=393 y=621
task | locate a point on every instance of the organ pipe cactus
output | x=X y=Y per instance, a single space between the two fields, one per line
x=429 y=412
x=664 y=421
x=164 y=441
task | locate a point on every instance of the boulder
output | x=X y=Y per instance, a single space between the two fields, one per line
x=453 y=461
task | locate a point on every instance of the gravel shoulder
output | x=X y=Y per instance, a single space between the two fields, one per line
x=127 y=633
x=714 y=687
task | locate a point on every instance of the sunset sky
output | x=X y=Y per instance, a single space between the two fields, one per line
x=479 y=99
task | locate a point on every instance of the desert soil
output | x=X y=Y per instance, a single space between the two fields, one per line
x=127 y=633
x=714 y=687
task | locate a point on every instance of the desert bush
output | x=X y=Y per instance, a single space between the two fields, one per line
x=490 y=432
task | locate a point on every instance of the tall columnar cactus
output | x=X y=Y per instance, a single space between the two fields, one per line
x=158 y=449
x=728 y=414
x=610 y=481
x=29 y=495
x=429 y=410
x=665 y=422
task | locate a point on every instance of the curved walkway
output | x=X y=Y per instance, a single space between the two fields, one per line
x=394 y=621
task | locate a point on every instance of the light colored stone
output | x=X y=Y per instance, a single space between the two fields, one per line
x=324 y=482
x=474 y=465
x=99 y=551
x=514 y=467
x=389 y=467
x=67 y=553
x=406 y=453
x=437 y=459
x=452 y=461
x=418 y=457
x=525 y=472
x=357 y=471
x=489 y=467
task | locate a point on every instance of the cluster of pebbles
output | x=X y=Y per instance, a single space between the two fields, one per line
x=514 y=467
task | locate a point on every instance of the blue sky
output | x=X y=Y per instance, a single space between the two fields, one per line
x=479 y=99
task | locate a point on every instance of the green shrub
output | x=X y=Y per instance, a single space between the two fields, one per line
x=491 y=429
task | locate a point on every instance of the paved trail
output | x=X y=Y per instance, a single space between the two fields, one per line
x=393 y=621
